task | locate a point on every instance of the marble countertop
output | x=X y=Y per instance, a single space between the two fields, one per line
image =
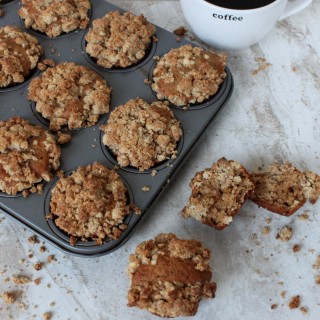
x=273 y=115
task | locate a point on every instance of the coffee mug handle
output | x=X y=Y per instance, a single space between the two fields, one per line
x=293 y=7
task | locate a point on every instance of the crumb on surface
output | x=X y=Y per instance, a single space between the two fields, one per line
x=146 y=188
x=8 y=297
x=33 y=239
x=181 y=31
x=296 y=248
x=316 y=265
x=274 y=306
x=317 y=280
x=304 y=216
x=284 y=234
x=294 y=302
x=266 y=230
x=63 y=137
x=38 y=266
x=20 y=279
x=37 y=281
x=47 y=316
x=262 y=65
x=283 y=294
x=268 y=220
x=51 y=258
x=304 y=310
x=42 y=249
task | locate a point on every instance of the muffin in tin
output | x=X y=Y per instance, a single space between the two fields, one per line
x=90 y=204
x=142 y=135
x=119 y=40
x=55 y=17
x=188 y=75
x=28 y=155
x=70 y=95
x=19 y=55
x=170 y=276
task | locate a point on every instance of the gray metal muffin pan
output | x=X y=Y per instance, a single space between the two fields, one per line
x=86 y=146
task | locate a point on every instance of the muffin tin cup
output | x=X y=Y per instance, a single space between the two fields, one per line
x=86 y=147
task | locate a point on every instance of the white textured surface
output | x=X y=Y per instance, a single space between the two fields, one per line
x=273 y=115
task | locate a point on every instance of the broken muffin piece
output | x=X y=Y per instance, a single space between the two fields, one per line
x=218 y=193
x=284 y=189
x=169 y=276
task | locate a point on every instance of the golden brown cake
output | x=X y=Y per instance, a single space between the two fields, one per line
x=70 y=95
x=284 y=189
x=188 y=75
x=54 y=17
x=19 y=54
x=119 y=40
x=90 y=204
x=28 y=155
x=170 y=276
x=142 y=135
x=218 y=193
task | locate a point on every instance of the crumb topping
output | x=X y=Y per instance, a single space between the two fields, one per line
x=119 y=40
x=218 y=193
x=54 y=17
x=188 y=75
x=19 y=54
x=142 y=134
x=70 y=95
x=28 y=155
x=91 y=203
x=170 y=276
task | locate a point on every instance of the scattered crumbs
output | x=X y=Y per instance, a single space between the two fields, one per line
x=63 y=137
x=37 y=266
x=294 y=302
x=36 y=281
x=8 y=297
x=22 y=306
x=155 y=39
x=42 y=249
x=258 y=271
x=283 y=294
x=181 y=31
x=146 y=81
x=52 y=304
x=274 y=306
x=296 y=248
x=317 y=280
x=311 y=251
x=304 y=216
x=268 y=220
x=22 y=261
x=294 y=68
x=73 y=50
x=280 y=283
x=262 y=65
x=30 y=255
x=156 y=58
x=153 y=173
x=178 y=39
x=49 y=285
x=50 y=258
x=53 y=50
x=304 y=310
x=47 y=316
x=69 y=291
x=33 y=239
x=20 y=279
x=35 y=306
x=316 y=265
x=266 y=230
x=2 y=13
x=146 y=188
x=93 y=146
x=284 y=234
x=6 y=280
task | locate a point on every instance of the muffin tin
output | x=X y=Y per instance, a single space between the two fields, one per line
x=86 y=144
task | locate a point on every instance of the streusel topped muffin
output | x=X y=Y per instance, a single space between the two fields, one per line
x=142 y=135
x=54 y=17
x=28 y=155
x=188 y=75
x=70 y=95
x=19 y=54
x=119 y=40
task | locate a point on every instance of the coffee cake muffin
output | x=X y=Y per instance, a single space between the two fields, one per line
x=170 y=276
x=284 y=189
x=19 y=54
x=188 y=75
x=54 y=17
x=119 y=40
x=90 y=204
x=28 y=155
x=142 y=135
x=70 y=95
x=218 y=193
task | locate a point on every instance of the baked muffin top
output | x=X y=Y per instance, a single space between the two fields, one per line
x=90 y=204
x=19 y=54
x=70 y=95
x=218 y=193
x=119 y=40
x=169 y=276
x=28 y=155
x=142 y=135
x=54 y=17
x=188 y=75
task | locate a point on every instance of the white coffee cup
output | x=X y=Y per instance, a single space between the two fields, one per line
x=231 y=29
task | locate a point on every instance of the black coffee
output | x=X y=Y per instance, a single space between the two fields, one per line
x=240 y=4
